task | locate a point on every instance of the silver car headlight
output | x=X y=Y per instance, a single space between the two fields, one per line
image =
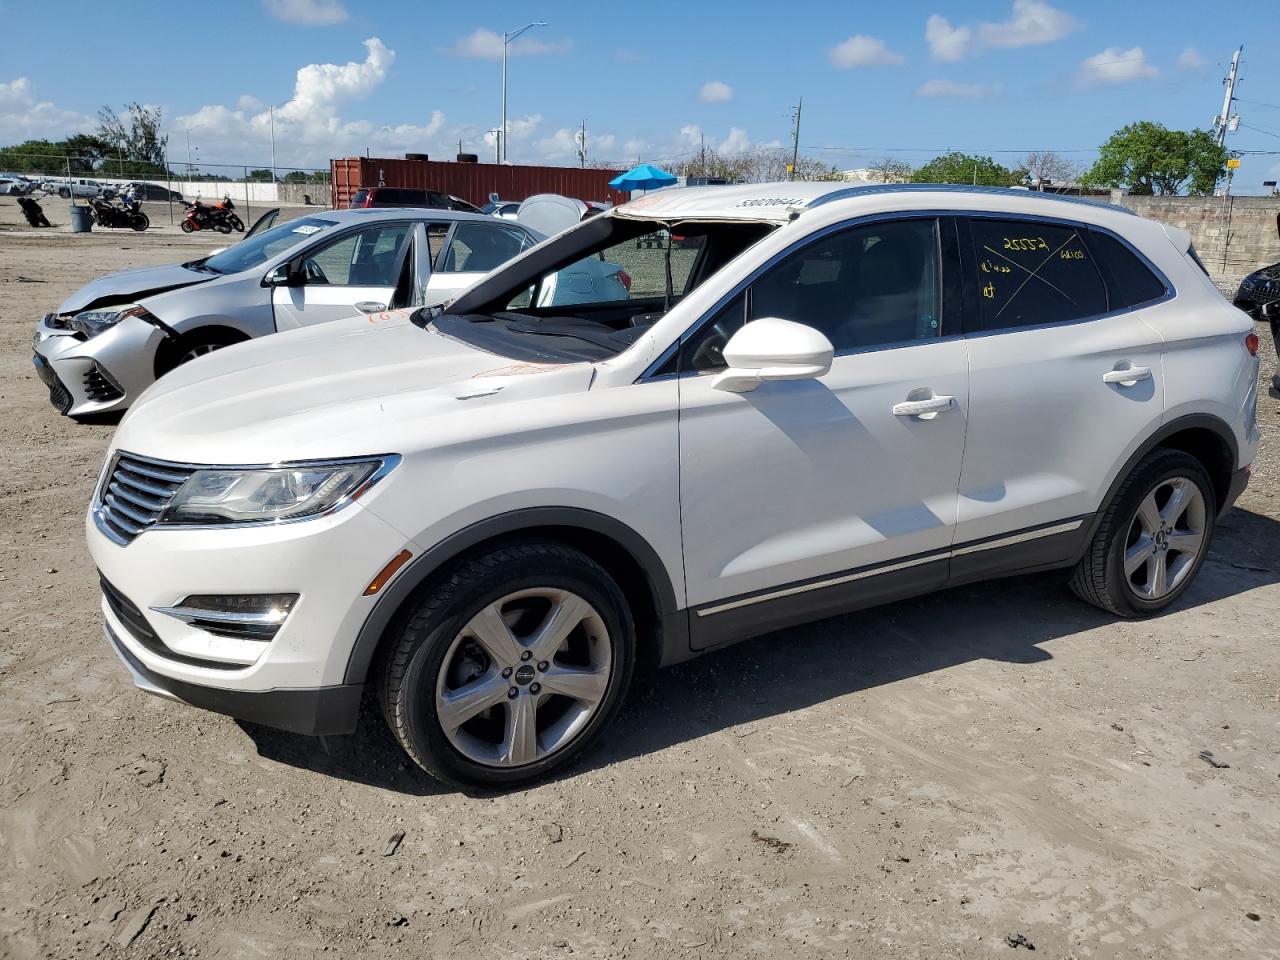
x=93 y=322
x=217 y=495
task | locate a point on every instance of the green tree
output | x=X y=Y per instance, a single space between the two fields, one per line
x=50 y=157
x=958 y=167
x=1149 y=158
x=136 y=145
x=262 y=176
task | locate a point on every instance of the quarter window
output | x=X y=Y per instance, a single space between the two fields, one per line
x=1130 y=282
x=1029 y=273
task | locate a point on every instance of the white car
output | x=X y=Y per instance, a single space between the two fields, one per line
x=75 y=187
x=491 y=513
x=113 y=337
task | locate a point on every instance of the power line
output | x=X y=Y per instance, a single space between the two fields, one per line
x=1269 y=133
x=1259 y=103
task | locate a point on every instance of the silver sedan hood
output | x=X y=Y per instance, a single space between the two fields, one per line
x=128 y=286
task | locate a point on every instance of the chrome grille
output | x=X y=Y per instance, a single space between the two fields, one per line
x=135 y=493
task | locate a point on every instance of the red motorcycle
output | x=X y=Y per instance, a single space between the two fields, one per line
x=219 y=216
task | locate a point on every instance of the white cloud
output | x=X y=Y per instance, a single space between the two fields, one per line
x=1032 y=22
x=950 y=88
x=714 y=91
x=1114 y=65
x=311 y=13
x=250 y=104
x=627 y=56
x=23 y=117
x=1191 y=59
x=946 y=43
x=486 y=45
x=862 y=51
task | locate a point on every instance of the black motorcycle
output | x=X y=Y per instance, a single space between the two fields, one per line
x=128 y=214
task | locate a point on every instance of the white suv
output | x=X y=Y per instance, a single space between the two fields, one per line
x=812 y=400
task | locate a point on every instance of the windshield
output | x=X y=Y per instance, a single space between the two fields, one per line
x=591 y=292
x=261 y=247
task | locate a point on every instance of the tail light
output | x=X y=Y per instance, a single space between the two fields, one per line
x=1250 y=342
x=624 y=278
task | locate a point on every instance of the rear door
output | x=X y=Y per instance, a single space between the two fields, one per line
x=469 y=250
x=1064 y=377
x=356 y=272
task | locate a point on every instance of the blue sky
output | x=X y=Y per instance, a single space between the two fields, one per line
x=902 y=79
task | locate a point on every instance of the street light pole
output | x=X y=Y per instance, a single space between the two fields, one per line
x=506 y=41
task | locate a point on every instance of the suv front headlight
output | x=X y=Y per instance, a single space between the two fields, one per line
x=217 y=495
x=93 y=322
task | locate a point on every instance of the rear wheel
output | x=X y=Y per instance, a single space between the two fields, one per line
x=187 y=227
x=1153 y=537
x=139 y=221
x=509 y=666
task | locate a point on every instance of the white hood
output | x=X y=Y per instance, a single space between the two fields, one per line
x=359 y=386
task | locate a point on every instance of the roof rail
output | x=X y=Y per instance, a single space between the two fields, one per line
x=846 y=193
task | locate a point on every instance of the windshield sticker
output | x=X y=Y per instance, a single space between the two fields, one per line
x=307 y=229
x=772 y=202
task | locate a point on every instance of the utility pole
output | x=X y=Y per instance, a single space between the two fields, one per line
x=702 y=169
x=582 y=145
x=272 y=111
x=506 y=42
x=795 y=142
x=1224 y=120
x=497 y=144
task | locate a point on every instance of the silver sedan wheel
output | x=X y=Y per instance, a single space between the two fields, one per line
x=1166 y=538
x=198 y=351
x=524 y=677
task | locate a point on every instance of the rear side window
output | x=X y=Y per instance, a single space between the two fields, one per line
x=1130 y=282
x=358 y=198
x=479 y=247
x=1030 y=274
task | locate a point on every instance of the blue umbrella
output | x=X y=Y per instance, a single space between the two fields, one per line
x=643 y=177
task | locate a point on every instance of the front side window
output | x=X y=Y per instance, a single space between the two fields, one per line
x=1030 y=274
x=367 y=258
x=261 y=247
x=869 y=286
x=480 y=247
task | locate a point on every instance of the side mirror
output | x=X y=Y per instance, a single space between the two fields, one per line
x=773 y=349
x=282 y=276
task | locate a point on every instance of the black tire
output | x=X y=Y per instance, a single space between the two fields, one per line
x=419 y=642
x=139 y=221
x=222 y=226
x=1099 y=578
x=236 y=223
x=64 y=193
x=174 y=353
x=187 y=226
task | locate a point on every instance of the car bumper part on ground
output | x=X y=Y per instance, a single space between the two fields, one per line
x=319 y=711
x=1239 y=480
x=98 y=375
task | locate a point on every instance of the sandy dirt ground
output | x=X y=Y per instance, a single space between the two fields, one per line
x=965 y=775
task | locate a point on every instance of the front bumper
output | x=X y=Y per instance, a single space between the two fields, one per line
x=327 y=561
x=317 y=711
x=102 y=374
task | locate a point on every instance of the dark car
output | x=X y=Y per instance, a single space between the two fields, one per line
x=149 y=191
x=409 y=197
x=1259 y=297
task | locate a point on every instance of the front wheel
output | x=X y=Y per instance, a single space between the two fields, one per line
x=1152 y=539
x=509 y=666
x=236 y=223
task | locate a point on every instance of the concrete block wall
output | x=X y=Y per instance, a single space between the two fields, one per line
x=1233 y=236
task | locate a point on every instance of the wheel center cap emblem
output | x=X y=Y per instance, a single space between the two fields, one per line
x=1160 y=538
x=525 y=674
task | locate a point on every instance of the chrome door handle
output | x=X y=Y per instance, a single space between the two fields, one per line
x=919 y=408
x=1128 y=376
x=370 y=306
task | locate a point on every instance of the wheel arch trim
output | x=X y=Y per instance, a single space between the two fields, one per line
x=506 y=525
x=1195 y=421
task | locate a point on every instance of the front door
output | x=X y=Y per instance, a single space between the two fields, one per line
x=801 y=498
x=357 y=272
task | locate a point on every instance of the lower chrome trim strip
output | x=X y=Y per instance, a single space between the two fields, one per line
x=890 y=568
x=819 y=584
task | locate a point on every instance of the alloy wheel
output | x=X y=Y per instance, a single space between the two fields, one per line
x=1166 y=538
x=198 y=351
x=523 y=677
